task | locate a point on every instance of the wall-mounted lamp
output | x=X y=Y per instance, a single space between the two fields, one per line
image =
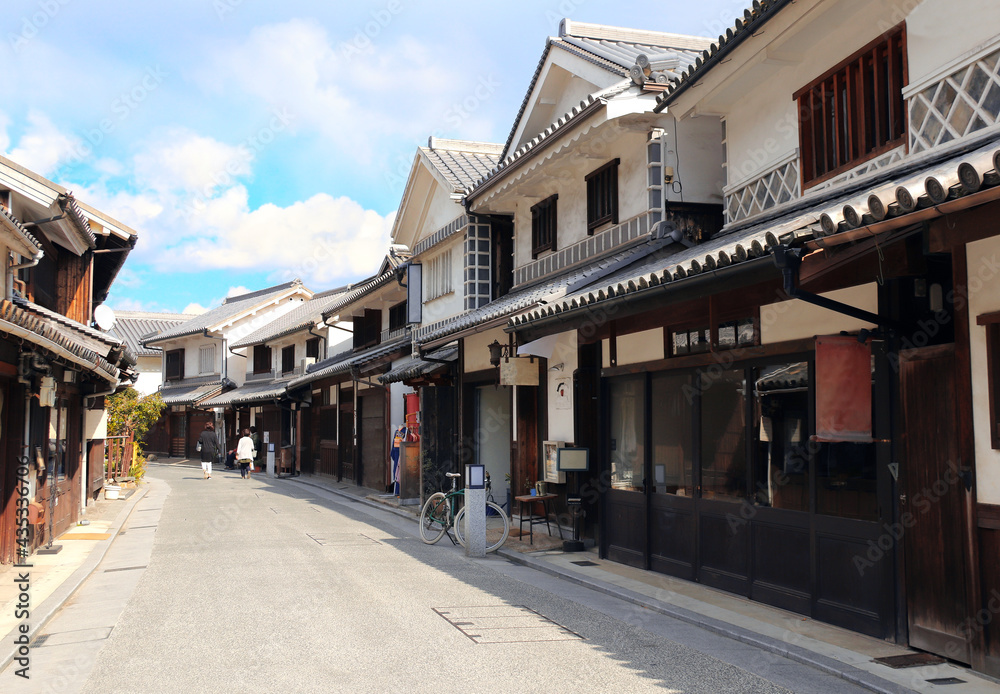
x=668 y=175
x=558 y=367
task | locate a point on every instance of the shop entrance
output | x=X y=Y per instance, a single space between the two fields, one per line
x=493 y=436
x=933 y=500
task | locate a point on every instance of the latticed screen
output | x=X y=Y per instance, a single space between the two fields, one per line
x=855 y=111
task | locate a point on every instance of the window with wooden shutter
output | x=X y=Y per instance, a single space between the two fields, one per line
x=174 y=361
x=206 y=359
x=261 y=359
x=855 y=111
x=602 y=196
x=543 y=226
x=287 y=359
x=312 y=348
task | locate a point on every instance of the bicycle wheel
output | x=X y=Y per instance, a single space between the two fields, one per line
x=497 y=527
x=434 y=518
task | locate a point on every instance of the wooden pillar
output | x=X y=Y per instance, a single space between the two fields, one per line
x=298 y=440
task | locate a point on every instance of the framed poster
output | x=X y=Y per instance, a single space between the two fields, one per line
x=550 y=458
x=573 y=459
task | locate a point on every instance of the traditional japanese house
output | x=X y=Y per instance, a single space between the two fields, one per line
x=578 y=194
x=60 y=259
x=350 y=413
x=452 y=270
x=199 y=361
x=277 y=353
x=800 y=409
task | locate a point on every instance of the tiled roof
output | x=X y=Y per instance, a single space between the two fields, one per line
x=417 y=367
x=923 y=192
x=461 y=163
x=248 y=392
x=546 y=290
x=189 y=394
x=19 y=228
x=300 y=318
x=133 y=326
x=613 y=48
x=63 y=338
x=349 y=297
x=67 y=203
x=343 y=362
x=746 y=26
x=230 y=308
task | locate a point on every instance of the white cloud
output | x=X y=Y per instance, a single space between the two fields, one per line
x=237 y=291
x=43 y=147
x=191 y=163
x=194 y=309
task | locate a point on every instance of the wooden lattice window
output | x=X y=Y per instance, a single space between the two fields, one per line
x=397 y=316
x=855 y=111
x=543 y=226
x=312 y=348
x=602 y=196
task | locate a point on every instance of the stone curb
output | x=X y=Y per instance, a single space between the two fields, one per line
x=41 y=615
x=798 y=654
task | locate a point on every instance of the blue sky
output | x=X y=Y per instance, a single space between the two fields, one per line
x=249 y=142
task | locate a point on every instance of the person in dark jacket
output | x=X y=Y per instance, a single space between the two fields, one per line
x=209 y=444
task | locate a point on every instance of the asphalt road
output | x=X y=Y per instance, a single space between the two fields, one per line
x=266 y=586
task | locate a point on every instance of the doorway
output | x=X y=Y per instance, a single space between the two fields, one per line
x=492 y=437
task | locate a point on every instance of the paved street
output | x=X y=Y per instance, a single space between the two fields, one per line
x=226 y=585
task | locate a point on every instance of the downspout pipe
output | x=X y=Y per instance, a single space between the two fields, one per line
x=789 y=260
x=12 y=270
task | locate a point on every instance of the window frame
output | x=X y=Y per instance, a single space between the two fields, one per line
x=602 y=196
x=202 y=352
x=855 y=140
x=544 y=225
x=262 y=354
x=312 y=348
x=177 y=373
x=287 y=359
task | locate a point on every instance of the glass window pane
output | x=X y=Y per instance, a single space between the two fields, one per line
x=672 y=422
x=628 y=434
x=680 y=343
x=781 y=410
x=727 y=334
x=746 y=332
x=699 y=340
x=723 y=436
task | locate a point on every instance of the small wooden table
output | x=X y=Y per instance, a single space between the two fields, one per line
x=531 y=519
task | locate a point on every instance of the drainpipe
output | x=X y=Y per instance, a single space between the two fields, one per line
x=788 y=260
x=9 y=289
x=323 y=352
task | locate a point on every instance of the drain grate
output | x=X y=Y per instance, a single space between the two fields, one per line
x=946 y=680
x=140 y=527
x=585 y=562
x=342 y=540
x=124 y=568
x=505 y=624
x=898 y=662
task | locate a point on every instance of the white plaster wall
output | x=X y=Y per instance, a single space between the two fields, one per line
x=477 y=351
x=442 y=210
x=762 y=128
x=939 y=31
x=796 y=320
x=396 y=406
x=984 y=297
x=150 y=374
x=696 y=155
x=561 y=420
x=451 y=304
x=635 y=348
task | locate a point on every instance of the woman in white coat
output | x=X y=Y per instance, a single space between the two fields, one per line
x=245 y=454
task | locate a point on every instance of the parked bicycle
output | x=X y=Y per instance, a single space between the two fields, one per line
x=445 y=511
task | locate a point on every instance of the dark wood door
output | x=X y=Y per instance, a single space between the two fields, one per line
x=374 y=435
x=345 y=454
x=627 y=501
x=932 y=504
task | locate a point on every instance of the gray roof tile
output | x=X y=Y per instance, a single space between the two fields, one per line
x=133 y=326
x=300 y=318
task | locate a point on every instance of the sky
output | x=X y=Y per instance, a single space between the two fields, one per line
x=249 y=142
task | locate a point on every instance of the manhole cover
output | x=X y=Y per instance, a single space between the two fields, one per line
x=909 y=660
x=505 y=624
x=584 y=563
x=342 y=540
x=946 y=680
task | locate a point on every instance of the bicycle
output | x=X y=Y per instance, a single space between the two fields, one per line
x=438 y=516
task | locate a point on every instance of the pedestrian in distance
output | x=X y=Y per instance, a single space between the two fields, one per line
x=255 y=437
x=245 y=454
x=208 y=444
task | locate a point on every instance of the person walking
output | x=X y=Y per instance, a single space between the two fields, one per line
x=245 y=454
x=255 y=437
x=208 y=444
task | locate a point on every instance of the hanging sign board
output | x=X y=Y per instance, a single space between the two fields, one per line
x=519 y=371
x=843 y=389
